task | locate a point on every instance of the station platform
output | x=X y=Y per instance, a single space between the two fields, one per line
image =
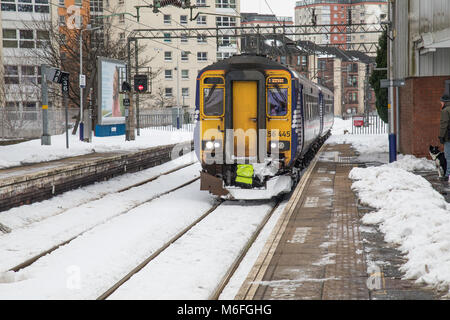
x=35 y=182
x=319 y=250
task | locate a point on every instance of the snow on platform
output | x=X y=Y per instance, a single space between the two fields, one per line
x=33 y=152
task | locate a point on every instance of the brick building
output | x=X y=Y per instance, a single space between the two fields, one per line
x=340 y=12
x=421 y=55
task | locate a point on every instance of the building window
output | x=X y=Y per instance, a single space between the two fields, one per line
x=168 y=74
x=28 y=75
x=352 y=81
x=201 y=39
x=168 y=56
x=184 y=38
x=167 y=37
x=185 y=92
x=183 y=19
x=22 y=74
x=167 y=19
x=225 y=3
x=62 y=20
x=201 y=20
x=201 y=2
x=168 y=92
x=184 y=56
x=42 y=38
x=184 y=74
x=8 y=6
x=10 y=38
x=223 y=55
x=227 y=41
x=225 y=21
x=11 y=74
x=26 y=39
x=202 y=56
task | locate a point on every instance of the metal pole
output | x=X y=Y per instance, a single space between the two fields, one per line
x=81 y=88
x=137 y=95
x=397 y=117
x=129 y=120
x=45 y=139
x=66 y=105
x=391 y=116
x=178 y=81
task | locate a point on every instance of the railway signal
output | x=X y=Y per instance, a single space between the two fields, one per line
x=141 y=83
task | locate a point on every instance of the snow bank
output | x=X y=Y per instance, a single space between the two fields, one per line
x=411 y=214
x=33 y=152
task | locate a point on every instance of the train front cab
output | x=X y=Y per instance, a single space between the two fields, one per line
x=245 y=120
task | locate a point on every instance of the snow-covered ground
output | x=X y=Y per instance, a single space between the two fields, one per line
x=372 y=148
x=114 y=232
x=409 y=211
x=411 y=214
x=33 y=152
x=110 y=233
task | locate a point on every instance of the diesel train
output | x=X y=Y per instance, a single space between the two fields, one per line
x=258 y=124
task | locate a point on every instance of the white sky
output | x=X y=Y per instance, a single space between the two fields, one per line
x=279 y=7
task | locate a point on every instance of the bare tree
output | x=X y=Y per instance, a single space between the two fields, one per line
x=16 y=93
x=60 y=47
x=162 y=101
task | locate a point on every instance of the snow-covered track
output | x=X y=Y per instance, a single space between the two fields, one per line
x=41 y=181
x=33 y=259
x=142 y=265
x=231 y=271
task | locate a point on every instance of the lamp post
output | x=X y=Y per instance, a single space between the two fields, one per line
x=83 y=79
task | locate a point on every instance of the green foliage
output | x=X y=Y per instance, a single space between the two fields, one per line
x=381 y=94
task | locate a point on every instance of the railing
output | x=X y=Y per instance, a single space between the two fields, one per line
x=27 y=124
x=183 y=121
x=371 y=124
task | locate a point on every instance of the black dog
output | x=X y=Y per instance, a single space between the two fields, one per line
x=439 y=158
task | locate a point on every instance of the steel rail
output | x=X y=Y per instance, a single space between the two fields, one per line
x=33 y=259
x=231 y=271
x=142 y=265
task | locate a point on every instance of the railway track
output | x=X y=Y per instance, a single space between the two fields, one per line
x=7 y=229
x=33 y=259
x=231 y=270
x=40 y=185
x=142 y=265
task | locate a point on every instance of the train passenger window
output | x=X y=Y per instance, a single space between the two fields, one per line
x=277 y=102
x=213 y=101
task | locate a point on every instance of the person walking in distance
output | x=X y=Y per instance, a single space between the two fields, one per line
x=444 y=134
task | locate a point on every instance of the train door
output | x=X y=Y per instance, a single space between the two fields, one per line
x=245 y=120
x=321 y=111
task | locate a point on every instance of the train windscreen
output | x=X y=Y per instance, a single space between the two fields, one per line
x=277 y=102
x=213 y=101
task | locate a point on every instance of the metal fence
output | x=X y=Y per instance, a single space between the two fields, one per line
x=27 y=124
x=167 y=121
x=371 y=124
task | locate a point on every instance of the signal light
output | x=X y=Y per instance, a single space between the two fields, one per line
x=141 y=83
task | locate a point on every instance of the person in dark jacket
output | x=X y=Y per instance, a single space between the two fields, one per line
x=444 y=131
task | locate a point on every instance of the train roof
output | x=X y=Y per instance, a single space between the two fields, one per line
x=246 y=61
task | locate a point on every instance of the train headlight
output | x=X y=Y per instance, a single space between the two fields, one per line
x=212 y=145
x=280 y=145
x=209 y=145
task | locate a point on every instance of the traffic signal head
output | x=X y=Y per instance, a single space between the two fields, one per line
x=140 y=83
